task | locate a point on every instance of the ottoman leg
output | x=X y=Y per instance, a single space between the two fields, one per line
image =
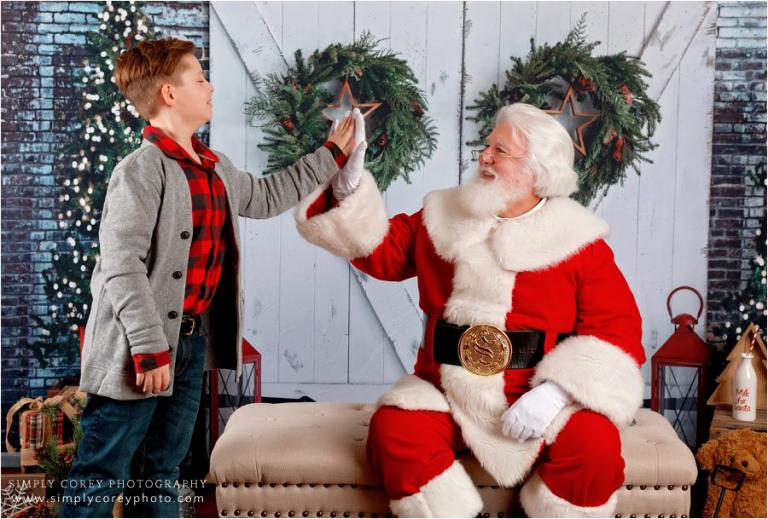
x=539 y=501
x=451 y=494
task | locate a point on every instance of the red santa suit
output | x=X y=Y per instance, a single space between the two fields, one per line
x=550 y=271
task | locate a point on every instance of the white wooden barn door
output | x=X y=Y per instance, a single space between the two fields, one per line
x=326 y=330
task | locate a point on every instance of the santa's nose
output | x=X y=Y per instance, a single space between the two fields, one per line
x=486 y=157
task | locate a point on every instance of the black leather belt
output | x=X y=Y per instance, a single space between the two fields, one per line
x=527 y=345
x=189 y=323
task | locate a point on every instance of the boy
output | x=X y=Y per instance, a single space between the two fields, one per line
x=166 y=289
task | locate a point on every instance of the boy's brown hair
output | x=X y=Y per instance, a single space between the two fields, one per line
x=141 y=70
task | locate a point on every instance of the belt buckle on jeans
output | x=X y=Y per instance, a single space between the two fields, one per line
x=484 y=350
x=187 y=319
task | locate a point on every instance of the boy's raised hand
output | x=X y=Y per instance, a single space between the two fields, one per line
x=343 y=134
x=154 y=380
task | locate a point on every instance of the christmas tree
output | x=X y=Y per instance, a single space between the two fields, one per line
x=111 y=129
x=748 y=305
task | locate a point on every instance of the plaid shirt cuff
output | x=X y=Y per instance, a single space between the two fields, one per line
x=338 y=155
x=148 y=361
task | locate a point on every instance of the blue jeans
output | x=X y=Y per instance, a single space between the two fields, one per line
x=135 y=446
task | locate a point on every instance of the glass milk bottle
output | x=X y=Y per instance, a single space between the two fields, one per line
x=745 y=390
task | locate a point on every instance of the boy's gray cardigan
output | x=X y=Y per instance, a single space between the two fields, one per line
x=139 y=280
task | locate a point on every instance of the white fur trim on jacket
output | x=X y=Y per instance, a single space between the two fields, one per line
x=451 y=494
x=414 y=394
x=477 y=404
x=540 y=501
x=486 y=255
x=482 y=293
x=353 y=229
x=598 y=375
x=545 y=238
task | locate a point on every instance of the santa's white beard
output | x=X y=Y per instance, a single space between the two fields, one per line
x=482 y=196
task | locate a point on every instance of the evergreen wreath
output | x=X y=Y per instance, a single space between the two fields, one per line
x=289 y=107
x=627 y=118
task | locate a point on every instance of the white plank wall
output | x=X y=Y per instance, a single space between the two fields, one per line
x=329 y=332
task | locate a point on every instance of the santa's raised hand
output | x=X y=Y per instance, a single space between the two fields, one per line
x=347 y=180
x=534 y=411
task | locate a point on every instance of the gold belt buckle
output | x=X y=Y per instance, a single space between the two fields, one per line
x=485 y=349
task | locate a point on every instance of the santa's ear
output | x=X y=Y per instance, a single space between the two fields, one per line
x=706 y=455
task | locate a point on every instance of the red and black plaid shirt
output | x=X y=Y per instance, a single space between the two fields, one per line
x=209 y=214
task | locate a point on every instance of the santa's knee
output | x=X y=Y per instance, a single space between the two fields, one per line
x=399 y=440
x=593 y=442
x=387 y=429
x=579 y=473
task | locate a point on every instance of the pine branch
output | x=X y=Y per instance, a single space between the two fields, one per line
x=402 y=138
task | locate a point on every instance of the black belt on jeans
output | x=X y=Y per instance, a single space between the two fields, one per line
x=189 y=323
x=527 y=345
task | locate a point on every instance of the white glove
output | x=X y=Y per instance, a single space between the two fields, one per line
x=534 y=411
x=346 y=181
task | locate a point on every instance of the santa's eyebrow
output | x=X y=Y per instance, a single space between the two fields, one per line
x=498 y=143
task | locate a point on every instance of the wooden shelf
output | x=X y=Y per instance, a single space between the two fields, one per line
x=723 y=422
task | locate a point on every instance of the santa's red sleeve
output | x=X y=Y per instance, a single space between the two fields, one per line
x=357 y=228
x=600 y=365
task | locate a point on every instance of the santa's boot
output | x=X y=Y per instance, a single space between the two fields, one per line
x=539 y=501
x=451 y=494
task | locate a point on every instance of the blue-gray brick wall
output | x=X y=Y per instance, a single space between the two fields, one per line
x=42 y=52
x=738 y=145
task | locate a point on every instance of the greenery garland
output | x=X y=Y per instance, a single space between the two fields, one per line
x=626 y=120
x=289 y=107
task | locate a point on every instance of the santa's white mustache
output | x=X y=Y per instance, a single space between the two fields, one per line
x=487 y=171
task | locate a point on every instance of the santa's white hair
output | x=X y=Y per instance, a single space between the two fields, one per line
x=550 y=148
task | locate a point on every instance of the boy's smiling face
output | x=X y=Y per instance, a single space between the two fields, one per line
x=191 y=97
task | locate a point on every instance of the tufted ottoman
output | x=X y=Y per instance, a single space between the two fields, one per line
x=308 y=460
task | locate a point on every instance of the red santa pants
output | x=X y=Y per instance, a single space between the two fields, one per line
x=409 y=448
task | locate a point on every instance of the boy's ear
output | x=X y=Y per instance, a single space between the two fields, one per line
x=706 y=455
x=166 y=94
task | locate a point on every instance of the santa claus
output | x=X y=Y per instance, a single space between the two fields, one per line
x=531 y=348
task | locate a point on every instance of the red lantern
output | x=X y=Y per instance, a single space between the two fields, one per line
x=679 y=376
x=233 y=393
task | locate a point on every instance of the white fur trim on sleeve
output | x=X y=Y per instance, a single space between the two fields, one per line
x=353 y=229
x=597 y=374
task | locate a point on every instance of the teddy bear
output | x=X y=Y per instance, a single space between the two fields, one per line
x=729 y=458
